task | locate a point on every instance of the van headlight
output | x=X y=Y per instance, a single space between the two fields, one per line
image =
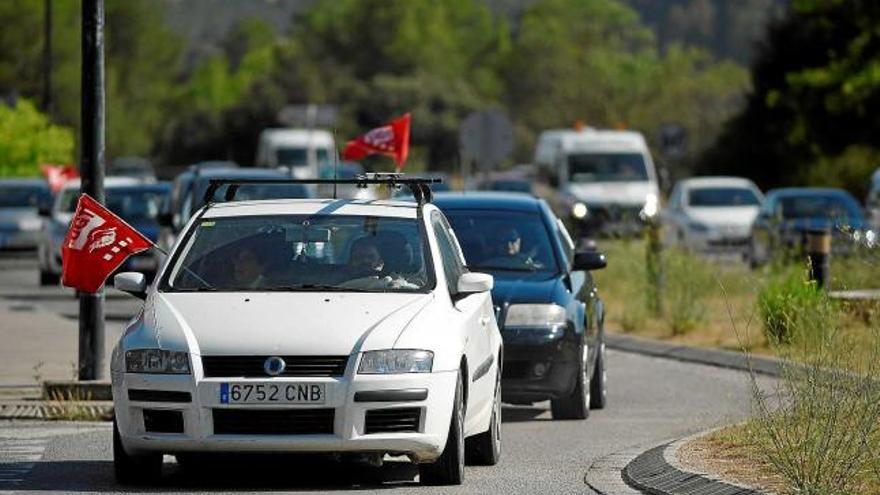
x=392 y=361
x=534 y=315
x=580 y=211
x=157 y=361
x=651 y=207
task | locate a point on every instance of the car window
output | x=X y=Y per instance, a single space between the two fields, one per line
x=504 y=240
x=607 y=167
x=302 y=252
x=453 y=267
x=709 y=197
x=819 y=206
x=294 y=157
x=23 y=196
x=133 y=204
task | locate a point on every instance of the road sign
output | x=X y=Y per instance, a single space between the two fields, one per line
x=309 y=115
x=486 y=138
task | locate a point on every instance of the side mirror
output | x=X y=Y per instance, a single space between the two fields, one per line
x=472 y=282
x=132 y=282
x=589 y=260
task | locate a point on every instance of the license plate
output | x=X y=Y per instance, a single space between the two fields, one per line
x=272 y=393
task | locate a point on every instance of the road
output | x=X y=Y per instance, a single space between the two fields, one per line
x=650 y=400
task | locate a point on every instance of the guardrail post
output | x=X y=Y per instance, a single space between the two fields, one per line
x=819 y=256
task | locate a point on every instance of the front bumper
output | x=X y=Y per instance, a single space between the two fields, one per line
x=539 y=364
x=348 y=431
x=611 y=221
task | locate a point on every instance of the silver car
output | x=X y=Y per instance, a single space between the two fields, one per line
x=20 y=203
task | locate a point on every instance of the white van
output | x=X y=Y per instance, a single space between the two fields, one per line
x=607 y=178
x=303 y=151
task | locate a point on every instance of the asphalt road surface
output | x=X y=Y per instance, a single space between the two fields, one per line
x=650 y=400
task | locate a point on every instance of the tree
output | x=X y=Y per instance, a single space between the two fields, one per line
x=27 y=140
x=815 y=100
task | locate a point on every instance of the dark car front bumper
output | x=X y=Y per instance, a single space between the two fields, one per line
x=539 y=363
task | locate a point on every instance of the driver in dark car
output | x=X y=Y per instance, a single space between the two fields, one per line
x=511 y=255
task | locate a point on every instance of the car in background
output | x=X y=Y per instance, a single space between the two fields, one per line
x=788 y=214
x=20 y=203
x=136 y=202
x=195 y=183
x=509 y=184
x=711 y=214
x=344 y=327
x=606 y=178
x=132 y=166
x=546 y=302
x=344 y=170
x=301 y=151
x=183 y=181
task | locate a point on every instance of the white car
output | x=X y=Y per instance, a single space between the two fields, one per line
x=311 y=325
x=712 y=214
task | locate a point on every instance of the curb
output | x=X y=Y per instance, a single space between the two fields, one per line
x=713 y=357
x=605 y=475
x=653 y=473
x=57 y=410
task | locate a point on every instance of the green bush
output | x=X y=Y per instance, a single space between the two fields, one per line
x=27 y=139
x=794 y=308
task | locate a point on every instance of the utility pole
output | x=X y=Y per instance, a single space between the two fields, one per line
x=91 y=306
x=47 y=59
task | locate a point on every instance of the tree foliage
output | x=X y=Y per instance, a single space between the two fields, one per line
x=27 y=140
x=812 y=116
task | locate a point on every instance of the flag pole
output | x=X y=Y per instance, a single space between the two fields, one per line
x=91 y=306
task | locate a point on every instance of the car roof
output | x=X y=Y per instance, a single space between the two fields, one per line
x=808 y=191
x=22 y=181
x=717 y=181
x=509 y=201
x=325 y=206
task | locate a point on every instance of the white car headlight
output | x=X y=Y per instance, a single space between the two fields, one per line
x=534 y=315
x=156 y=361
x=393 y=361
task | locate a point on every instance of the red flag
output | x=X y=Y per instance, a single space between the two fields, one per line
x=96 y=244
x=57 y=175
x=391 y=140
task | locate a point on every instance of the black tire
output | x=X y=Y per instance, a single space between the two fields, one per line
x=599 y=381
x=577 y=404
x=485 y=449
x=49 y=278
x=134 y=470
x=449 y=468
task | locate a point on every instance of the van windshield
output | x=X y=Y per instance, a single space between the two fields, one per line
x=292 y=157
x=607 y=167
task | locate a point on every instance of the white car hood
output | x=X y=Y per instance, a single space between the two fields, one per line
x=620 y=193
x=275 y=323
x=734 y=216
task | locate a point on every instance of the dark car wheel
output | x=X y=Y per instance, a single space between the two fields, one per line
x=134 y=470
x=449 y=468
x=49 y=278
x=485 y=449
x=599 y=382
x=577 y=404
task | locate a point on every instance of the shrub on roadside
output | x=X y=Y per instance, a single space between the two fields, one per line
x=688 y=281
x=792 y=308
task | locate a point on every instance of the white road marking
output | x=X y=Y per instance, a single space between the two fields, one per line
x=18 y=457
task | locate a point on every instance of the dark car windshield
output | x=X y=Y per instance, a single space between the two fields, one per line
x=503 y=240
x=302 y=253
x=607 y=167
x=23 y=196
x=133 y=204
x=707 y=197
x=826 y=206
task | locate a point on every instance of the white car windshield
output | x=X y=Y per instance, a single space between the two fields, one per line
x=302 y=253
x=708 y=197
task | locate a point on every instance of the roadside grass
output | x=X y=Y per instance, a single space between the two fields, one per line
x=818 y=432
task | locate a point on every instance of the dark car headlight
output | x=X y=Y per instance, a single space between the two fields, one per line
x=534 y=315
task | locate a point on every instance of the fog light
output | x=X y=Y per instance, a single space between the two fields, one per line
x=540 y=370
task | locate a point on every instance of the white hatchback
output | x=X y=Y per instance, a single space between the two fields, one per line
x=333 y=326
